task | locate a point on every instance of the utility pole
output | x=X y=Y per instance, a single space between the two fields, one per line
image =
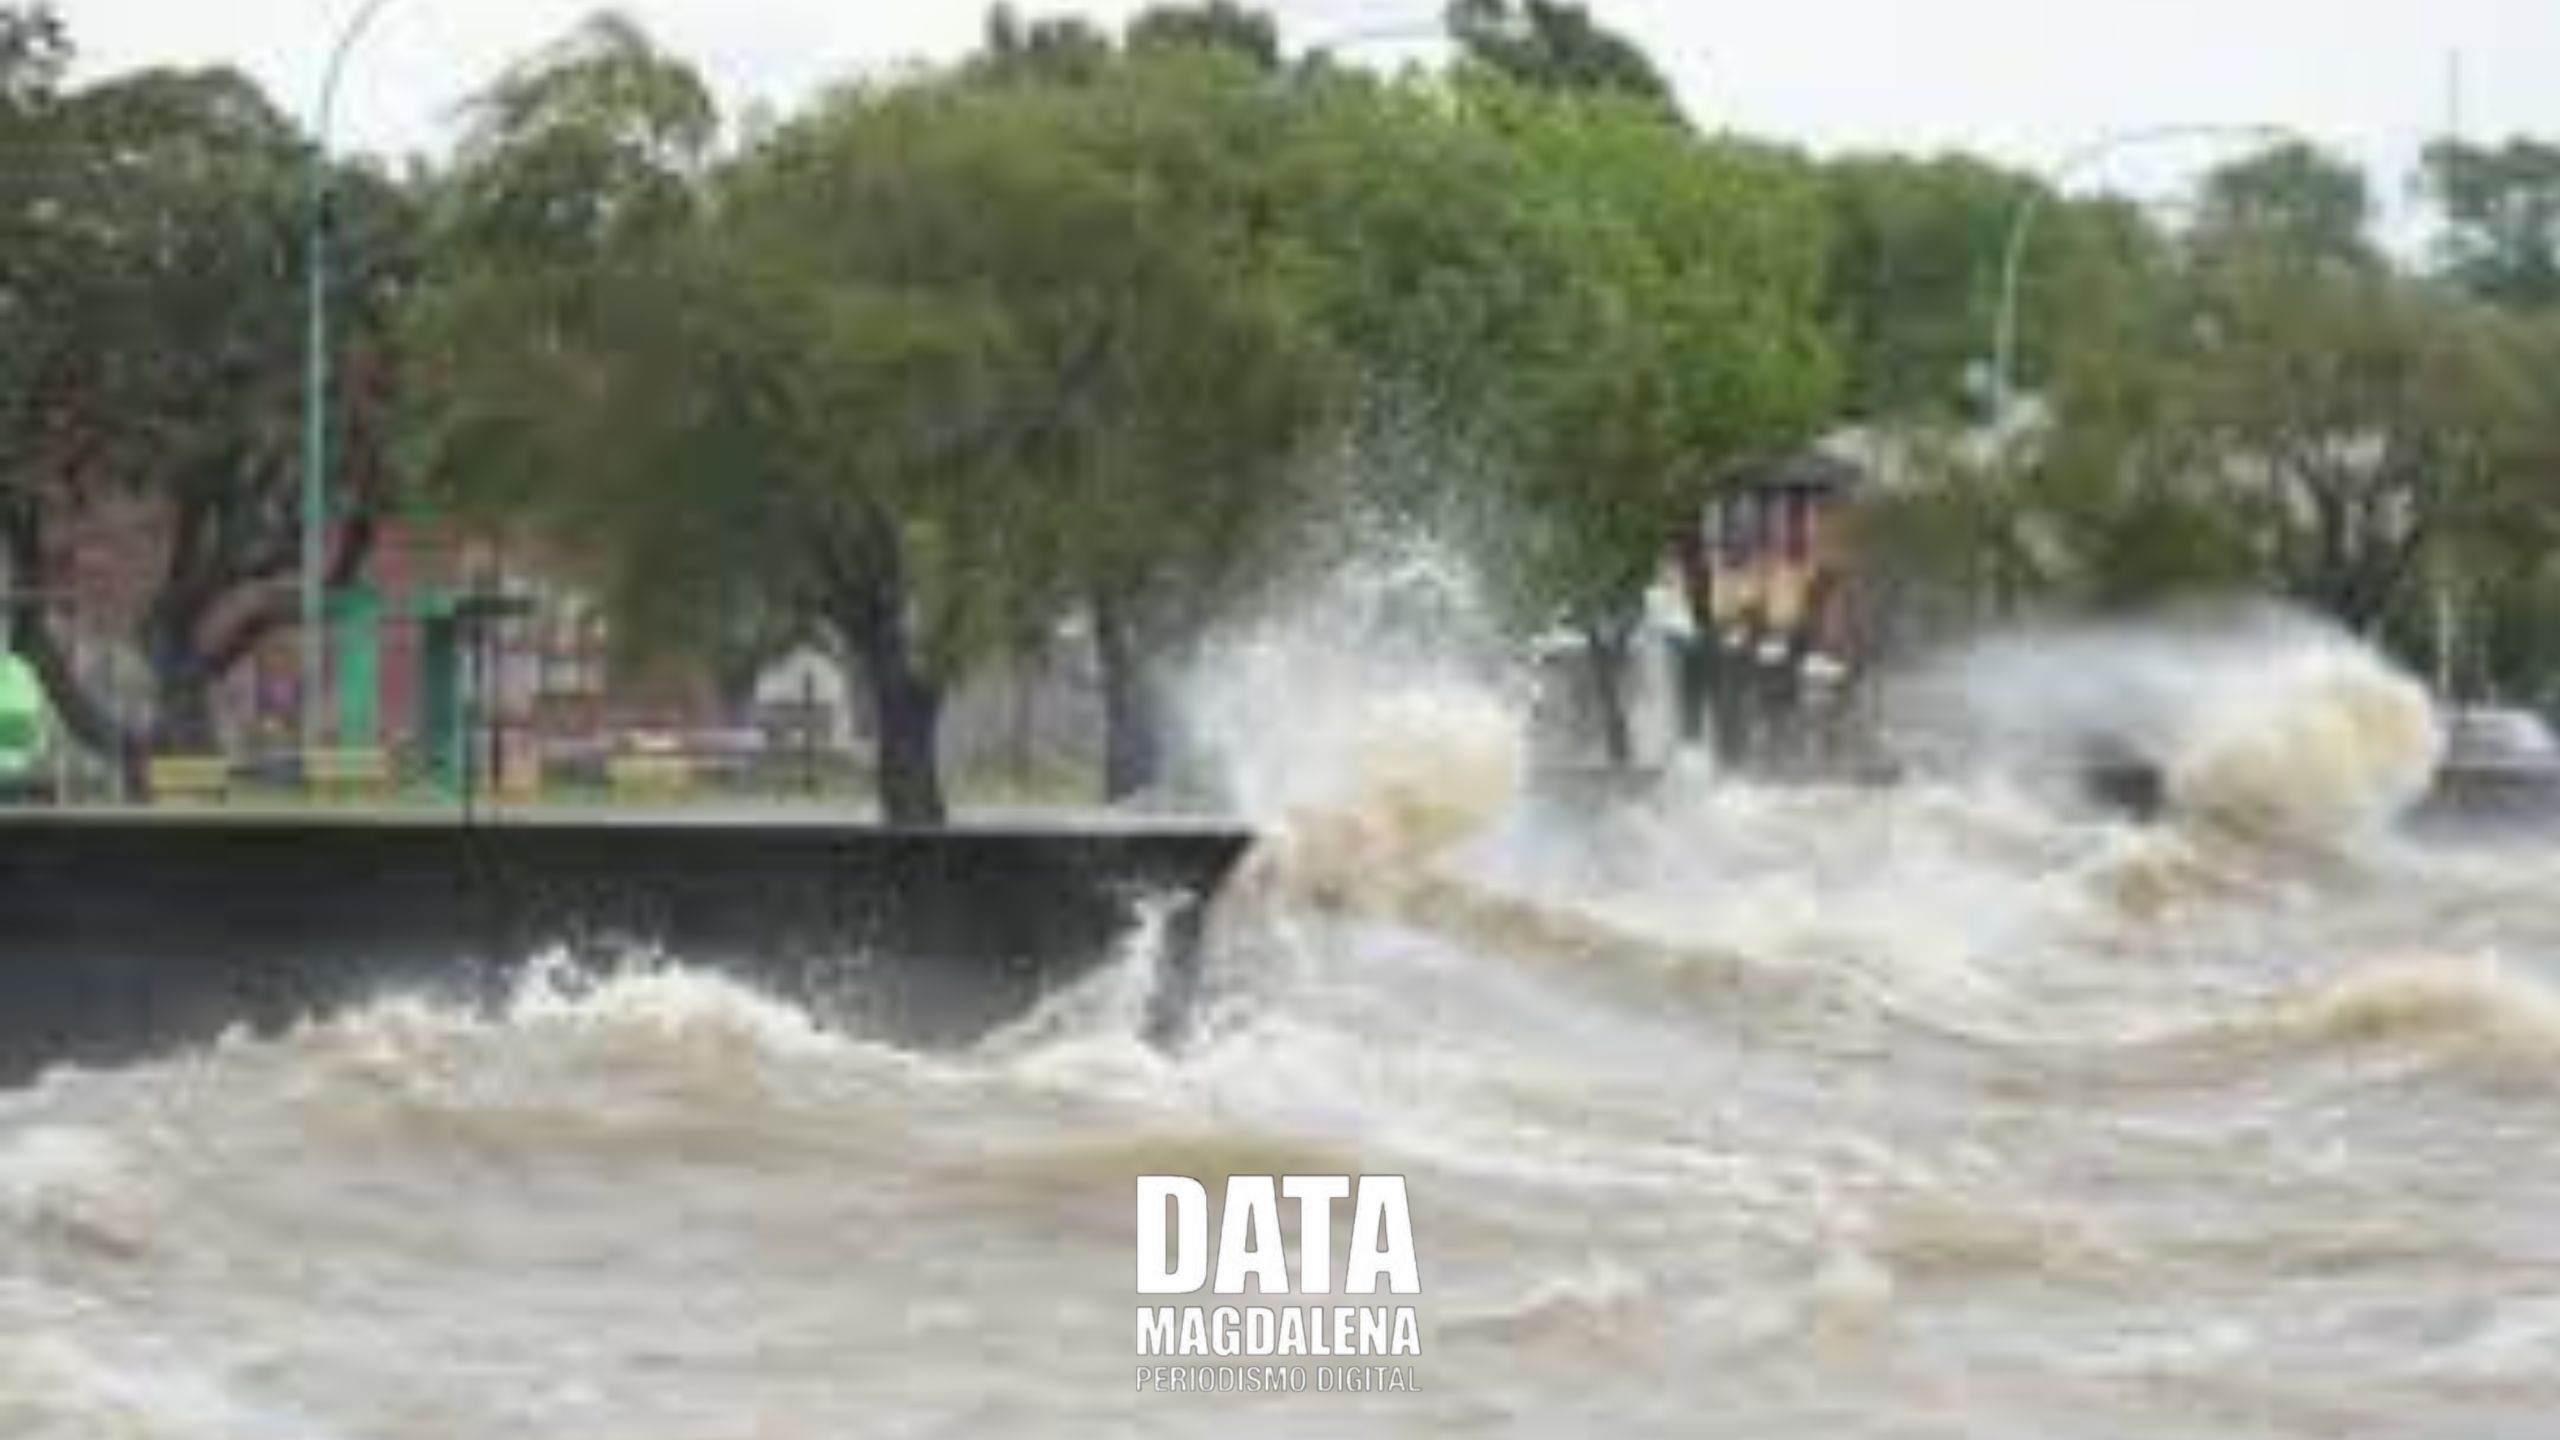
x=2457 y=97
x=2447 y=608
x=2004 y=334
x=317 y=224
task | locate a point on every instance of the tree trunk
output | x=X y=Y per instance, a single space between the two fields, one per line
x=181 y=680
x=1729 y=699
x=1023 y=723
x=183 y=724
x=1699 y=672
x=907 y=714
x=733 y=682
x=906 y=704
x=1133 y=720
x=1607 y=653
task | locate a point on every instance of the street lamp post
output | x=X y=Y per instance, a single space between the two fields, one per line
x=315 y=386
x=2004 y=339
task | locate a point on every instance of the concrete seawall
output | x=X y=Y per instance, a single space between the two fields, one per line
x=123 y=933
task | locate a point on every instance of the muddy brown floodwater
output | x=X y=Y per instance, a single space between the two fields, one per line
x=1940 y=1111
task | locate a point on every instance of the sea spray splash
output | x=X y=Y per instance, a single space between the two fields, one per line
x=2325 y=740
x=1372 y=726
x=2258 y=719
x=1378 y=736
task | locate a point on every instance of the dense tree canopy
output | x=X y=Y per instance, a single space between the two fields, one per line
x=936 y=363
x=1069 y=340
x=2501 y=206
x=1555 y=46
x=153 y=285
x=2269 y=403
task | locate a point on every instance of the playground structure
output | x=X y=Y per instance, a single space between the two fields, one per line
x=26 y=732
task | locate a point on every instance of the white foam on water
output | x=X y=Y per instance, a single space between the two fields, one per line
x=1738 y=1111
x=77 y=1185
x=1373 y=725
x=2490 y=1011
x=55 y=1387
x=2260 y=720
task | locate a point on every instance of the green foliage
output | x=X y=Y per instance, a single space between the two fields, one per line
x=2501 y=210
x=1416 y=251
x=590 y=147
x=2265 y=405
x=2355 y=418
x=1547 y=45
x=33 y=53
x=944 y=358
x=154 y=284
x=1216 y=25
x=1914 y=280
x=1060 y=47
x=2261 y=402
x=1031 y=272
x=1059 y=329
x=931 y=363
x=1676 y=335
x=1565 y=313
x=571 y=204
x=2293 y=199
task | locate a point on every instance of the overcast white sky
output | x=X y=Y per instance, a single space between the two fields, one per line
x=2026 y=79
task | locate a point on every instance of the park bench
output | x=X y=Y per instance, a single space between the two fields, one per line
x=521 y=780
x=350 y=773
x=648 y=776
x=190 y=779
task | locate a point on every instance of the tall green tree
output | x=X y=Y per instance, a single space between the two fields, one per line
x=1060 y=46
x=2292 y=200
x=1680 y=334
x=1551 y=45
x=1914 y=276
x=1419 y=256
x=1066 y=379
x=2500 y=207
x=154 y=289
x=1240 y=30
x=1182 y=467
x=578 y=188
x=2356 y=418
x=34 y=52
x=933 y=365
x=2281 y=410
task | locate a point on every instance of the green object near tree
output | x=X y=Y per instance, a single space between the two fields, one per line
x=23 y=718
x=355 y=624
x=441 y=730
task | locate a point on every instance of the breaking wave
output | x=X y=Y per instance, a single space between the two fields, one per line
x=2481 y=1009
x=2260 y=721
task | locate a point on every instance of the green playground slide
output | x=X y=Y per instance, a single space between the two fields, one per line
x=23 y=717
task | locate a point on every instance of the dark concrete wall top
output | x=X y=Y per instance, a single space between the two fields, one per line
x=124 y=931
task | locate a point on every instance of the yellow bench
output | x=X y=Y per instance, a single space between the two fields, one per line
x=346 y=772
x=522 y=777
x=656 y=776
x=190 y=779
